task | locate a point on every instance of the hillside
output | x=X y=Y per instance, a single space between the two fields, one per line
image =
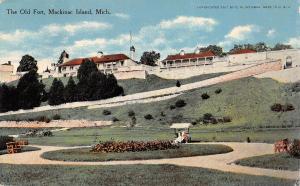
x=247 y=101
x=131 y=86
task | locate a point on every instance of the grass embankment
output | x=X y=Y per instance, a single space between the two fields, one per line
x=247 y=101
x=185 y=150
x=131 y=86
x=281 y=161
x=127 y=175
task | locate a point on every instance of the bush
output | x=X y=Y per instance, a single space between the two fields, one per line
x=178 y=84
x=106 y=112
x=277 y=107
x=227 y=119
x=207 y=116
x=172 y=107
x=294 y=149
x=148 y=116
x=43 y=119
x=56 y=117
x=4 y=140
x=205 y=96
x=288 y=107
x=131 y=113
x=218 y=91
x=180 y=103
x=114 y=119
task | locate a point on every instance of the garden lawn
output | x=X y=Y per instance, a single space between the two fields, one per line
x=185 y=150
x=281 y=161
x=128 y=175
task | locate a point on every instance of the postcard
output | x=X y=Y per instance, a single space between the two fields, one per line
x=140 y=92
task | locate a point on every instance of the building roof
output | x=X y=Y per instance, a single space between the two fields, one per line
x=181 y=125
x=243 y=51
x=103 y=59
x=190 y=55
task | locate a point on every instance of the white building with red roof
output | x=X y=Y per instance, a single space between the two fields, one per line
x=188 y=59
x=111 y=63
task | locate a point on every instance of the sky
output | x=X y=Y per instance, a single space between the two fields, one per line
x=164 y=26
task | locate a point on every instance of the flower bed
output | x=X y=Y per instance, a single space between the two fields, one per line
x=133 y=146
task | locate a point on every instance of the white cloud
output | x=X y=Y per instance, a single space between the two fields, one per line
x=14 y=36
x=75 y=27
x=190 y=22
x=271 y=33
x=241 y=32
x=122 y=16
x=294 y=41
x=2 y=1
x=53 y=30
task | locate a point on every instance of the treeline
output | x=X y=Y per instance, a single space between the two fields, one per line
x=260 y=47
x=30 y=92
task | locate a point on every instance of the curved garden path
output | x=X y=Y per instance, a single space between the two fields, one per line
x=222 y=162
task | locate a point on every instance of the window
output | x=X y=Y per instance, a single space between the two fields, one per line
x=122 y=63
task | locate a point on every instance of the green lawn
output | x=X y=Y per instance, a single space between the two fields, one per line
x=185 y=150
x=89 y=136
x=128 y=175
x=281 y=161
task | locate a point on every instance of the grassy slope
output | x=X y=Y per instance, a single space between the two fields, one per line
x=185 y=150
x=282 y=161
x=127 y=175
x=131 y=86
x=246 y=100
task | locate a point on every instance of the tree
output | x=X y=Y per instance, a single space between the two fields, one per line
x=30 y=90
x=280 y=46
x=70 y=93
x=56 y=93
x=85 y=69
x=27 y=63
x=150 y=58
x=8 y=98
x=217 y=50
x=63 y=55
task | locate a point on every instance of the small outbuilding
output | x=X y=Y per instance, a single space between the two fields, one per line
x=182 y=132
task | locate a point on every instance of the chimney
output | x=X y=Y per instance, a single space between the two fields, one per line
x=99 y=54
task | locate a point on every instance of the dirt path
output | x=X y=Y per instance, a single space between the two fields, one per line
x=222 y=162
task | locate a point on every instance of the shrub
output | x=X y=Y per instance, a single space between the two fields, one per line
x=296 y=87
x=42 y=119
x=276 y=107
x=162 y=114
x=172 y=107
x=178 y=84
x=218 y=91
x=288 y=107
x=56 y=117
x=294 y=149
x=148 y=116
x=205 y=96
x=114 y=119
x=227 y=119
x=180 y=103
x=131 y=113
x=106 y=112
x=4 y=140
x=207 y=116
